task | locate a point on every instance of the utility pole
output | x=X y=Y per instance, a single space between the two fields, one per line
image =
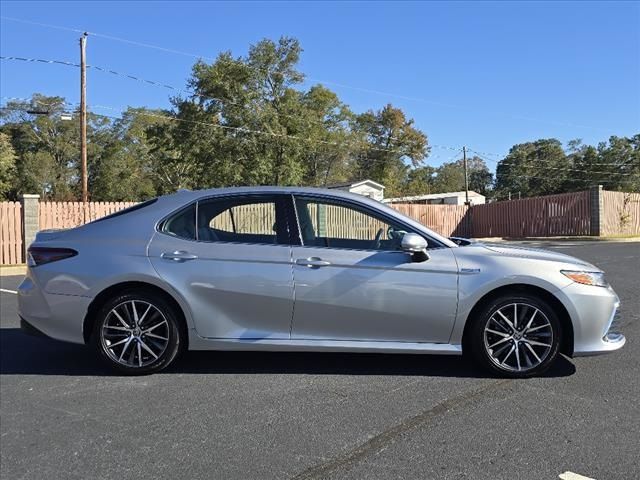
x=83 y=117
x=466 y=176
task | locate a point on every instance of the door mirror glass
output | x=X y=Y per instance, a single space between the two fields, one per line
x=413 y=243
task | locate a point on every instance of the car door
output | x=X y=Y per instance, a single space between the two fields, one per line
x=352 y=281
x=230 y=258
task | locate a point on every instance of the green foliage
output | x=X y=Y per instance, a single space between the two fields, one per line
x=388 y=140
x=123 y=170
x=449 y=177
x=532 y=169
x=249 y=121
x=7 y=166
x=543 y=167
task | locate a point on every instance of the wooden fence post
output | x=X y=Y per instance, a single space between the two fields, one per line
x=30 y=220
x=596 y=204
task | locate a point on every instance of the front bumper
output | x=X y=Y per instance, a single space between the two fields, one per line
x=613 y=336
x=595 y=315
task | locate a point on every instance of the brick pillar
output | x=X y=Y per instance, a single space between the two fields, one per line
x=30 y=220
x=597 y=210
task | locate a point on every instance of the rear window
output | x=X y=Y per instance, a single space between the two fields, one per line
x=128 y=210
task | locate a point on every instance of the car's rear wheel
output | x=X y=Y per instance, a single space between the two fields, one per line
x=137 y=333
x=515 y=336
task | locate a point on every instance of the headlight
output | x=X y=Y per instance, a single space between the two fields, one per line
x=586 y=278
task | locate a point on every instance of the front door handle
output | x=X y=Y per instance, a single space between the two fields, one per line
x=312 y=262
x=178 y=256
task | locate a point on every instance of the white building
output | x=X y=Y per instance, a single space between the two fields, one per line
x=449 y=198
x=368 y=188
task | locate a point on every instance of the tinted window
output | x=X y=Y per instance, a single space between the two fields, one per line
x=182 y=224
x=335 y=225
x=251 y=219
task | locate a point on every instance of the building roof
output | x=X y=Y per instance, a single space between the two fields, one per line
x=356 y=184
x=432 y=196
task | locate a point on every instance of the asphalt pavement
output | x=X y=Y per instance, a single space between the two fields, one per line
x=343 y=416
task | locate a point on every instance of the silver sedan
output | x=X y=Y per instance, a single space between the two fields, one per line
x=301 y=269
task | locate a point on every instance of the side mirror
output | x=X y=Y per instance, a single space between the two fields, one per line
x=416 y=245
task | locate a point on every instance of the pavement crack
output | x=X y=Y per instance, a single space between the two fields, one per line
x=383 y=439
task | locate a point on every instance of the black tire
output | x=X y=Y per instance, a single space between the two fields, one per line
x=532 y=359
x=140 y=361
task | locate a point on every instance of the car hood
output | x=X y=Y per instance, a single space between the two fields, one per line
x=537 y=254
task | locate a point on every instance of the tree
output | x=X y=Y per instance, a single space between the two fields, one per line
x=47 y=146
x=449 y=177
x=250 y=113
x=249 y=123
x=532 y=169
x=124 y=170
x=7 y=166
x=389 y=140
x=480 y=178
x=325 y=123
x=542 y=167
x=420 y=181
x=618 y=164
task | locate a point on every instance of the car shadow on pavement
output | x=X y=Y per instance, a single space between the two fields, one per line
x=22 y=354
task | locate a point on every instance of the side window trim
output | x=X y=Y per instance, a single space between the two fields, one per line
x=294 y=221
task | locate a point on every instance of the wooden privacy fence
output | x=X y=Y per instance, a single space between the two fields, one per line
x=552 y=215
x=447 y=220
x=72 y=214
x=11 y=251
x=621 y=213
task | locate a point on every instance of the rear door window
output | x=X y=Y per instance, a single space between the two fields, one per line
x=259 y=219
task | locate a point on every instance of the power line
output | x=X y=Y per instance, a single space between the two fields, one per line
x=173 y=88
x=579 y=179
x=106 y=37
x=113 y=117
x=251 y=131
x=362 y=89
x=502 y=157
x=181 y=91
x=40 y=60
x=295 y=137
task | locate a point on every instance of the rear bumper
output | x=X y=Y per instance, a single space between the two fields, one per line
x=29 y=329
x=56 y=316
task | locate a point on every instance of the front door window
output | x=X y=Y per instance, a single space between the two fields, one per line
x=330 y=224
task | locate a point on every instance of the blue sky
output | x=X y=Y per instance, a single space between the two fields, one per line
x=483 y=74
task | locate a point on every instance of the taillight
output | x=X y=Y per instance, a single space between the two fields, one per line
x=41 y=255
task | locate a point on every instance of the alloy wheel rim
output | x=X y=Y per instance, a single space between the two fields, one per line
x=135 y=333
x=518 y=337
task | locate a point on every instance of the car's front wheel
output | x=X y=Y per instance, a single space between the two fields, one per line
x=137 y=333
x=516 y=336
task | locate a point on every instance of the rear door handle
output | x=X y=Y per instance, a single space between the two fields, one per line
x=312 y=262
x=178 y=256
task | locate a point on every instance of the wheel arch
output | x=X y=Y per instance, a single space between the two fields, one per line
x=566 y=346
x=118 y=288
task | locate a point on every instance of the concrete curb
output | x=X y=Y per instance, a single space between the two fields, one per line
x=9 y=270
x=560 y=239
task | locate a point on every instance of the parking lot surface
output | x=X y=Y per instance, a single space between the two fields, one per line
x=270 y=415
